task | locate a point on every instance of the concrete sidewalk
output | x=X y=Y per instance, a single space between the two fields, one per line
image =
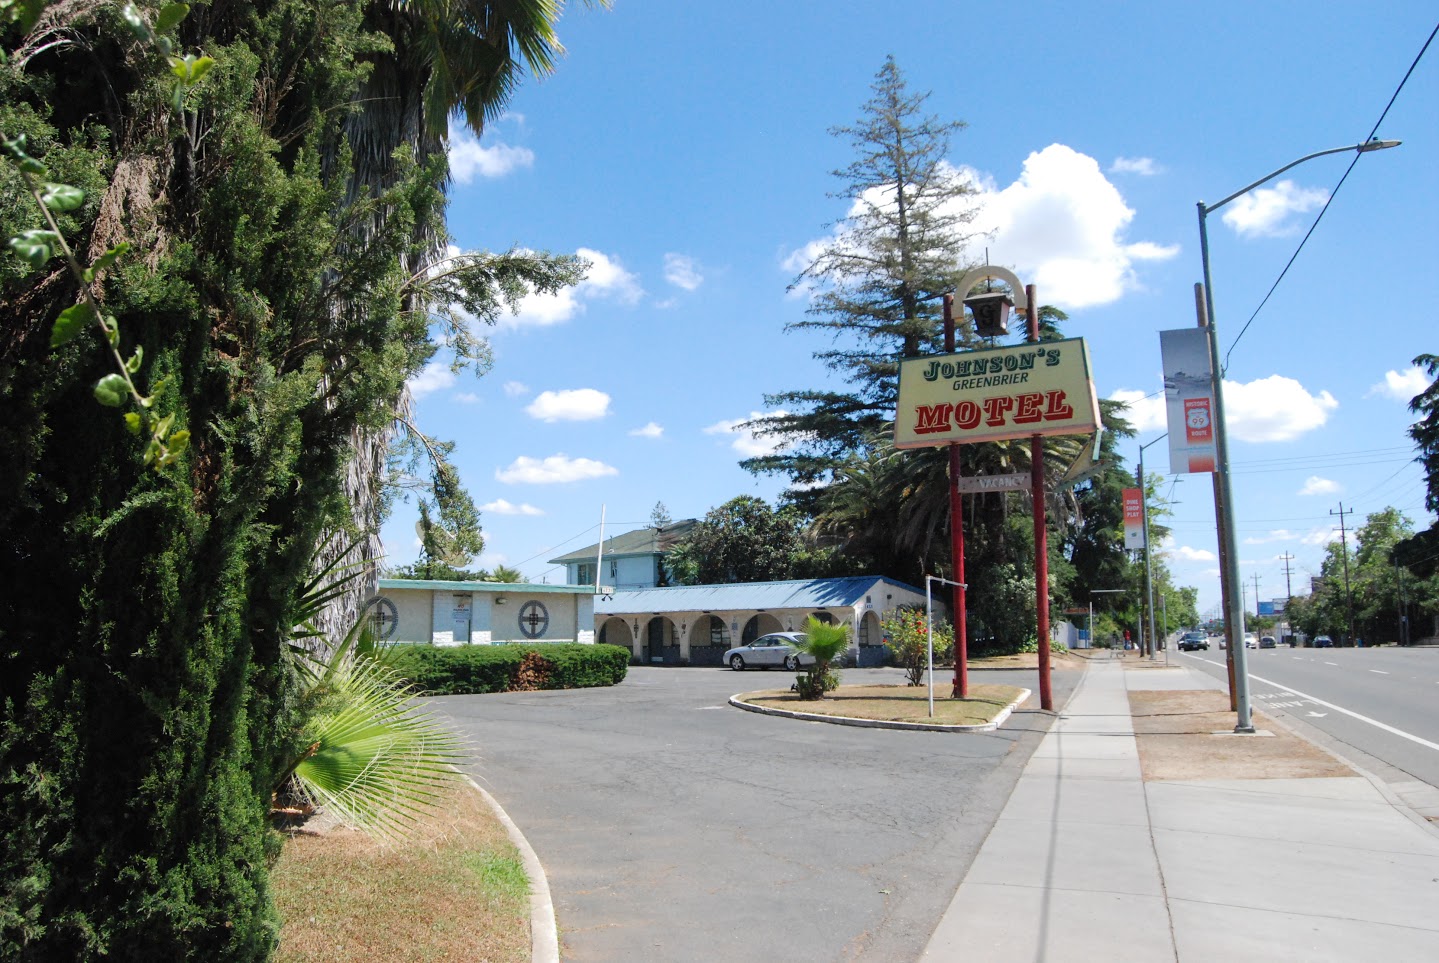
x=1089 y=862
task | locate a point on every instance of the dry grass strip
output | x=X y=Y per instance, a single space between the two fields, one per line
x=454 y=891
x=897 y=703
x=1188 y=734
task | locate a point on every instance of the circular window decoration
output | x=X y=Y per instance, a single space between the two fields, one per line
x=384 y=617
x=533 y=620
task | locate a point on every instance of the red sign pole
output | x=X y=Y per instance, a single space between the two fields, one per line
x=1041 y=535
x=956 y=534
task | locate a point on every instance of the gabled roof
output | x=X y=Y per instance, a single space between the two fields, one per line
x=797 y=594
x=642 y=541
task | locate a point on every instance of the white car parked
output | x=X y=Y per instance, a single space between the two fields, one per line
x=768 y=651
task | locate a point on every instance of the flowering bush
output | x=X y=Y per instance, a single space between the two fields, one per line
x=907 y=639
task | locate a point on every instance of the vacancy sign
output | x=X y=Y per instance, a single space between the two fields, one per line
x=1133 y=519
x=1188 y=400
x=1040 y=388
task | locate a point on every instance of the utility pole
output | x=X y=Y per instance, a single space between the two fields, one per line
x=1256 y=595
x=1344 y=551
x=1286 y=558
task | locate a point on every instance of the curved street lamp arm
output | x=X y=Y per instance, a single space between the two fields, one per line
x=1361 y=148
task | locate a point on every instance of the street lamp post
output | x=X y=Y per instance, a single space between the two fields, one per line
x=1148 y=549
x=1229 y=549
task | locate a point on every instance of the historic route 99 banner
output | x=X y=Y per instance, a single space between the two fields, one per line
x=994 y=394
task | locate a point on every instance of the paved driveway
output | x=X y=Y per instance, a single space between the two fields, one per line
x=675 y=827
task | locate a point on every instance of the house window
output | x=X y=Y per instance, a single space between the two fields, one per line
x=585 y=573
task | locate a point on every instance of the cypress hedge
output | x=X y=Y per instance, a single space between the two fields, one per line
x=470 y=669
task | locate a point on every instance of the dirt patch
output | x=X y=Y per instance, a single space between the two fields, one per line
x=1176 y=733
x=897 y=703
x=455 y=890
x=1058 y=658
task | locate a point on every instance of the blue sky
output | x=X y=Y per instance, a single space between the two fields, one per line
x=682 y=149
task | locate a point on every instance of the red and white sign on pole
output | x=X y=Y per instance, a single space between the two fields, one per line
x=1133 y=519
x=1189 y=405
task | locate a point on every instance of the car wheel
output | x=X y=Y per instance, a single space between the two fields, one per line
x=736 y=663
x=791 y=663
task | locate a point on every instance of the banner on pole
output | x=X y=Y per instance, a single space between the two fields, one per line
x=1188 y=400
x=1133 y=519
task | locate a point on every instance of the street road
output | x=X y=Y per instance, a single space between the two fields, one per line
x=673 y=826
x=1378 y=701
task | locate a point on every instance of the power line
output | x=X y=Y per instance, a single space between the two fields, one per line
x=1332 y=195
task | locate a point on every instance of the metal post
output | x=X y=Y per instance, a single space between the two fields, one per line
x=1041 y=535
x=1148 y=550
x=956 y=539
x=1224 y=489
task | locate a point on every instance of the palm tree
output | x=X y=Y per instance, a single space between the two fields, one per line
x=824 y=643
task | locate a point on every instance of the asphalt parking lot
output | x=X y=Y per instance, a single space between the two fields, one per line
x=675 y=827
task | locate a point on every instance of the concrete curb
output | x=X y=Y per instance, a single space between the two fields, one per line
x=998 y=720
x=544 y=930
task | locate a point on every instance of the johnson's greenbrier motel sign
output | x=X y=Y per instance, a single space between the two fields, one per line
x=995 y=394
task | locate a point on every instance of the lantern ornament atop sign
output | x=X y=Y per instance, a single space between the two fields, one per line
x=991 y=313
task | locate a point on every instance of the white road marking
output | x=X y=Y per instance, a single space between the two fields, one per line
x=1379 y=671
x=1349 y=712
x=1331 y=663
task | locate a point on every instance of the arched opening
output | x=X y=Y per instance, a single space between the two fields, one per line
x=661 y=642
x=760 y=624
x=616 y=631
x=824 y=617
x=871 y=641
x=709 y=638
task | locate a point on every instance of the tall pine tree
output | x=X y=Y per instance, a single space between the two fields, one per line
x=877 y=282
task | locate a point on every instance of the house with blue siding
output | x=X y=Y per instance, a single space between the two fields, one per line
x=634 y=560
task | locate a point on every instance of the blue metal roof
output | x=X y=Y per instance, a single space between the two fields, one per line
x=798 y=594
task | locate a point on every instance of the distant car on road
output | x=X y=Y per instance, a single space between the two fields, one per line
x=1268 y=642
x=1250 y=641
x=1323 y=642
x=1193 y=641
x=767 y=651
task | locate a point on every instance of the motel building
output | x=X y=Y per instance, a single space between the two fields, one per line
x=481 y=613
x=695 y=624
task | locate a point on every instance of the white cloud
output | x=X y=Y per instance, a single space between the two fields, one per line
x=744 y=440
x=579 y=404
x=1402 y=385
x=467 y=398
x=1194 y=554
x=501 y=507
x=1314 y=485
x=651 y=430
x=435 y=376
x=1321 y=536
x=513 y=389
x=605 y=278
x=1275 y=408
x=553 y=470
x=468 y=157
x=1145 y=413
x=682 y=272
x=1263 y=212
x=1143 y=166
x=1276 y=535
x=1061 y=226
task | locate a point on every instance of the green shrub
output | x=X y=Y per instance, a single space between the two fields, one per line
x=907 y=638
x=469 y=669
